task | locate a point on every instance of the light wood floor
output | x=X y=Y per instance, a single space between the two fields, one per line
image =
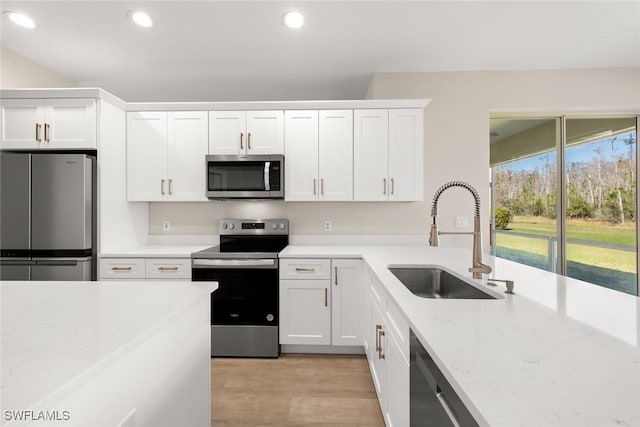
x=294 y=390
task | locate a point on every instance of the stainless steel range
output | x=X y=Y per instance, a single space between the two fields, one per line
x=244 y=309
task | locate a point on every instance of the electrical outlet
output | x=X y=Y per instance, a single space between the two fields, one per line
x=166 y=226
x=327 y=226
x=462 y=222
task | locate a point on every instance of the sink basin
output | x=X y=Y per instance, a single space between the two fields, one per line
x=434 y=282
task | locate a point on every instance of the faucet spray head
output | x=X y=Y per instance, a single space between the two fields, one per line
x=433 y=235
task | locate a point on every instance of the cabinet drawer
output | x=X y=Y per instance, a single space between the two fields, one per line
x=305 y=269
x=168 y=268
x=122 y=268
x=399 y=328
x=377 y=293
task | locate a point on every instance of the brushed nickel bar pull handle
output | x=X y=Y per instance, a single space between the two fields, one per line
x=241 y=138
x=380 y=353
x=38 y=139
x=120 y=268
x=393 y=187
x=384 y=185
x=322 y=186
x=326 y=293
x=314 y=186
x=46 y=132
x=168 y=268
x=249 y=140
x=162 y=187
x=170 y=181
x=305 y=269
x=378 y=327
x=335 y=275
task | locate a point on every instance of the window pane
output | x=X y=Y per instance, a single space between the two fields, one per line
x=601 y=201
x=524 y=168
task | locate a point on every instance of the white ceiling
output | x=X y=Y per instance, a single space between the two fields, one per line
x=224 y=50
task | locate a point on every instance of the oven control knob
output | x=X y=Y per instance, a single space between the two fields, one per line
x=270 y=317
x=232 y=226
x=274 y=225
x=224 y=225
x=281 y=226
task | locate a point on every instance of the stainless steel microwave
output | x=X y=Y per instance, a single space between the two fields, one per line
x=245 y=177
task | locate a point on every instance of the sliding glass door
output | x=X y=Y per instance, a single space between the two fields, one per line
x=564 y=196
x=600 y=215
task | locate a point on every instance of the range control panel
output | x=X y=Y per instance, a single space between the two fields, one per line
x=253 y=226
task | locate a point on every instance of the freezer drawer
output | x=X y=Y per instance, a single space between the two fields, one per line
x=62 y=269
x=61 y=200
x=15 y=269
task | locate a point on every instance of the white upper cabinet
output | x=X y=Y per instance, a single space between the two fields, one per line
x=227 y=132
x=406 y=156
x=371 y=155
x=336 y=155
x=301 y=155
x=246 y=132
x=68 y=123
x=319 y=155
x=187 y=148
x=146 y=156
x=166 y=156
x=388 y=154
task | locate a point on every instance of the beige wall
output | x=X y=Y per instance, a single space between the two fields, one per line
x=17 y=71
x=456 y=148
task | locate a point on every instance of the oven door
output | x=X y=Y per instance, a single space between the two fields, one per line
x=245 y=177
x=247 y=290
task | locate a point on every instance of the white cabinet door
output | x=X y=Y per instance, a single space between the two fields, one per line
x=48 y=123
x=187 y=148
x=397 y=405
x=370 y=151
x=70 y=123
x=301 y=155
x=227 y=132
x=377 y=364
x=22 y=123
x=265 y=132
x=347 y=297
x=305 y=312
x=147 y=156
x=405 y=154
x=336 y=155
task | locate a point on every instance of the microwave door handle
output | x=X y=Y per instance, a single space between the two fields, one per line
x=267 y=185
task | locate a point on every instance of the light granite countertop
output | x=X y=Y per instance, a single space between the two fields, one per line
x=560 y=352
x=57 y=335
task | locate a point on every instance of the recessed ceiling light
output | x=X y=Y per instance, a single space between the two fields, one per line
x=21 y=19
x=140 y=18
x=293 y=19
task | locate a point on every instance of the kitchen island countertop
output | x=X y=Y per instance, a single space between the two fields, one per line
x=57 y=336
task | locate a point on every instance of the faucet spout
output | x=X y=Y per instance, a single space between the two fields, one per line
x=477 y=267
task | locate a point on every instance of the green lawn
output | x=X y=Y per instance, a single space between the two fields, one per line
x=599 y=231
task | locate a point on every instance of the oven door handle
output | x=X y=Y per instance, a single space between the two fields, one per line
x=235 y=262
x=267 y=184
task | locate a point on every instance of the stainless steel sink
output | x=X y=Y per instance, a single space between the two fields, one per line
x=435 y=282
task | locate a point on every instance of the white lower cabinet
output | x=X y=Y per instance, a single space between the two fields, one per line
x=305 y=315
x=169 y=269
x=321 y=302
x=385 y=338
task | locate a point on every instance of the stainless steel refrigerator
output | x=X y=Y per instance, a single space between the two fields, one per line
x=46 y=216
